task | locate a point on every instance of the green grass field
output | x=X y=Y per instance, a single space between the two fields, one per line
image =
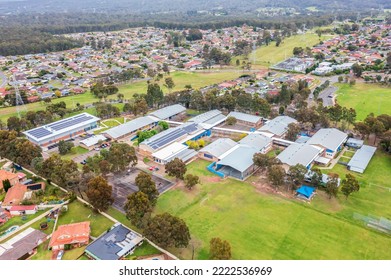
x=270 y=55
x=196 y=80
x=75 y=151
x=265 y=226
x=77 y=212
x=365 y=98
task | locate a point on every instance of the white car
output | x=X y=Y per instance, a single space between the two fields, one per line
x=60 y=254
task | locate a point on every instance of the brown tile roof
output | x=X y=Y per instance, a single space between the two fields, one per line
x=15 y=195
x=71 y=234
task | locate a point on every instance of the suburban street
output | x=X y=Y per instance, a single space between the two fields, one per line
x=3 y=80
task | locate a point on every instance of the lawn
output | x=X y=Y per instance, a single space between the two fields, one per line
x=365 y=99
x=375 y=190
x=75 y=151
x=270 y=55
x=265 y=226
x=181 y=79
x=144 y=250
x=42 y=252
x=17 y=221
x=78 y=212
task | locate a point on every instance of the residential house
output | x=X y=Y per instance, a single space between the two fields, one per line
x=71 y=235
x=6 y=175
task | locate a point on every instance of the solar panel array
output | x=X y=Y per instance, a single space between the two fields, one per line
x=40 y=132
x=172 y=136
x=69 y=123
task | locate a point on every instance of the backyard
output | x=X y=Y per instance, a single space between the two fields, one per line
x=365 y=98
x=266 y=226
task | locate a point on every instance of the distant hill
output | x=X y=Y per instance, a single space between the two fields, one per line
x=161 y=6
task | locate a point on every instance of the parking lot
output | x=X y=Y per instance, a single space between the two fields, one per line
x=124 y=185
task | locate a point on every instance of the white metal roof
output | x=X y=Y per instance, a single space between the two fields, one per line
x=170 y=151
x=91 y=141
x=169 y=111
x=278 y=125
x=240 y=157
x=129 y=127
x=302 y=154
x=244 y=117
x=330 y=138
x=219 y=147
x=361 y=158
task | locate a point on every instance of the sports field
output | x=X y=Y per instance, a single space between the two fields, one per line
x=266 y=226
x=181 y=79
x=365 y=98
x=270 y=55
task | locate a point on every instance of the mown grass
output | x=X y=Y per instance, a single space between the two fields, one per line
x=265 y=226
x=365 y=99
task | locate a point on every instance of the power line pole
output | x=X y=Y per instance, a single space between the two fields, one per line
x=19 y=104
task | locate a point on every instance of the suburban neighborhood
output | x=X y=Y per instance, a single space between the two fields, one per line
x=167 y=143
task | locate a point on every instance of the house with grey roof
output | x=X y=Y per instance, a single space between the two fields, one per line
x=115 y=244
x=246 y=119
x=213 y=151
x=278 y=126
x=168 y=112
x=303 y=154
x=361 y=159
x=330 y=139
x=23 y=245
x=131 y=128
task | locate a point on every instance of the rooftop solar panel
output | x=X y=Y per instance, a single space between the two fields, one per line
x=70 y=123
x=39 y=132
x=175 y=134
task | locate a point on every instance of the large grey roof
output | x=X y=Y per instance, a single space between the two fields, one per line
x=219 y=147
x=257 y=141
x=302 y=154
x=114 y=244
x=361 y=158
x=239 y=158
x=330 y=138
x=169 y=111
x=244 y=117
x=129 y=127
x=204 y=117
x=278 y=125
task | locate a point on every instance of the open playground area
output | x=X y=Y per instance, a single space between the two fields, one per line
x=365 y=98
x=262 y=225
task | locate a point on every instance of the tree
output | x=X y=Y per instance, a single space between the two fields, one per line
x=138 y=209
x=296 y=175
x=362 y=128
x=231 y=120
x=293 y=131
x=154 y=95
x=191 y=181
x=120 y=156
x=316 y=178
x=276 y=175
x=169 y=83
x=340 y=79
x=164 y=125
x=219 y=249
x=332 y=185
x=176 y=168
x=6 y=185
x=335 y=113
x=349 y=185
x=377 y=128
x=146 y=185
x=65 y=147
x=168 y=231
x=262 y=161
x=357 y=69
x=99 y=193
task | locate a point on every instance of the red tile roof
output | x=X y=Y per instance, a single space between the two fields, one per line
x=23 y=207
x=15 y=195
x=78 y=233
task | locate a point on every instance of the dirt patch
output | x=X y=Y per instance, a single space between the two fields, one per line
x=212 y=179
x=261 y=185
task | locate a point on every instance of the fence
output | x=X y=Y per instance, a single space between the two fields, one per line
x=381 y=224
x=211 y=169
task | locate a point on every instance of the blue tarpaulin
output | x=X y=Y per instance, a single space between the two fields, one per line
x=305 y=191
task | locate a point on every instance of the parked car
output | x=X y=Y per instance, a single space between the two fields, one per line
x=84 y=162
x=60 y=254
